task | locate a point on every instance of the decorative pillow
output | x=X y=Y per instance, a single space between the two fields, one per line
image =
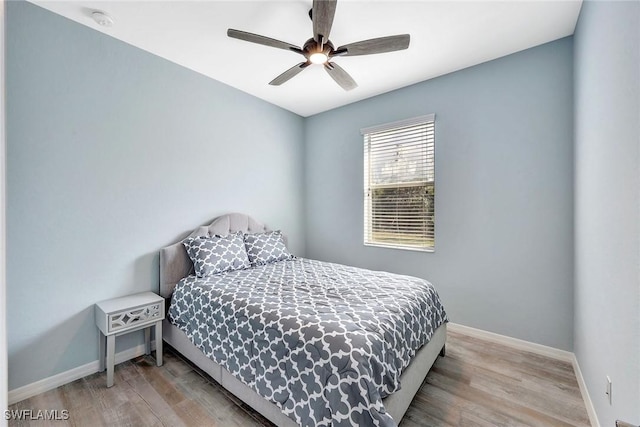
x=265 y=248
x=211 y=255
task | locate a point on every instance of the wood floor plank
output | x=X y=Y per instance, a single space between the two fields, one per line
x=510 y=390
x=501 y=358
x=479 y=383
x=470 y=398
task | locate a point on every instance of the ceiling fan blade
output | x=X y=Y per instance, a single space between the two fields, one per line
x=371 y=46
x=256 y=38
x=291 y=72
x=340 y=76
x=322 y=15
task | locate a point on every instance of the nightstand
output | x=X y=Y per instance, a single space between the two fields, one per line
x=120 y=316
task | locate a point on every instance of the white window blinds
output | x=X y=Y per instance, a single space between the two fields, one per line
x=399 y=184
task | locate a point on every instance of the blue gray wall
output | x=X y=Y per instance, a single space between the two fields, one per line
x=112 y=154
x=607 y=205
x=504 y=191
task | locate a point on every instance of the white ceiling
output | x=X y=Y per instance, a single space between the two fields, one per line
x=445 y=36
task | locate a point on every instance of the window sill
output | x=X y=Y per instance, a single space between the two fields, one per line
x=404 y=248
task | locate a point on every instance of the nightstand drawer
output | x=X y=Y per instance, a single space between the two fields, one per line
x=130 y=318
x=119 y=315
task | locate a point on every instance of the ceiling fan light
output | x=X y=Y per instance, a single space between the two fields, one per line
x=318 y=58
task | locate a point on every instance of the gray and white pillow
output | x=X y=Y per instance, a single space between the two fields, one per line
x=216 y=254
x=265 y=248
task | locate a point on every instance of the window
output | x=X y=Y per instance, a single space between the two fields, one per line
x=399 y=184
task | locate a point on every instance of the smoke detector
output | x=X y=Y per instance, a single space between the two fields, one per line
x=102 y=18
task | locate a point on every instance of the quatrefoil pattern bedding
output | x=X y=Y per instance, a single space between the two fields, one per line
x=324 y=342
x=264 y=248
x=212 y=255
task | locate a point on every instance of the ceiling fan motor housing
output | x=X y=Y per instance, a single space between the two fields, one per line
x=311 y=46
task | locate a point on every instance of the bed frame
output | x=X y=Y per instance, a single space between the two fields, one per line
x=175 y=265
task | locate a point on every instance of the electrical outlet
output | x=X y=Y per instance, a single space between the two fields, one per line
x=608 y=392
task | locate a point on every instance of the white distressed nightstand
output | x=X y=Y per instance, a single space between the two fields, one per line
x=120 y=316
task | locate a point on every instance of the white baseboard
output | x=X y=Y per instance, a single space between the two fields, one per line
x=516 y=343
x=591 y=410
x=540 y=349
x=55 y=381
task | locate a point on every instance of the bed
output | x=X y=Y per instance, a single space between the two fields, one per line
x=301 y=354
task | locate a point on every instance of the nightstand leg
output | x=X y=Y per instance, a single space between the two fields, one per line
x=102 y=344
x=147 y=340
x=111 y=353
x=159 y=343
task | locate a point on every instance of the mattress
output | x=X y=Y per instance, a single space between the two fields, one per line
x=324 y=342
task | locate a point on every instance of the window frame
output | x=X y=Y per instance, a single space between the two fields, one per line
x=368 y=211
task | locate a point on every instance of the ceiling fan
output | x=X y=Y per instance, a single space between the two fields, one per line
x=320 y=50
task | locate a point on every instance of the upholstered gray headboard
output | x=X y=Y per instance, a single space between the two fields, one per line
x=174 y=261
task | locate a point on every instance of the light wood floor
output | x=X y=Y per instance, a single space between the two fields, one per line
x=478 y=383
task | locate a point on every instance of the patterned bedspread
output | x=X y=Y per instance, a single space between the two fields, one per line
x=323 y=341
